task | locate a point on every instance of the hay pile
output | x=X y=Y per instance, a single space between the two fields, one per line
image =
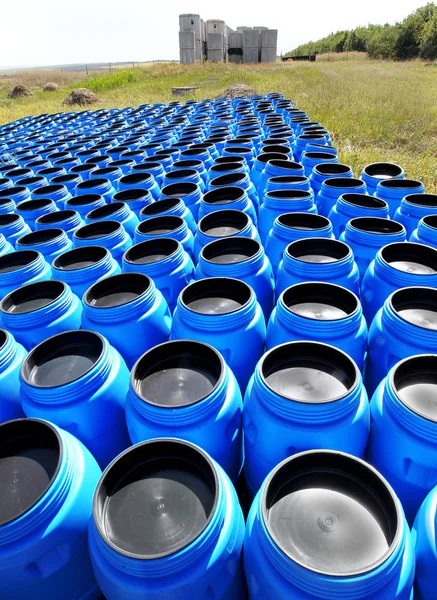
x=51 y=87
x=238 y=89
x=81 y=97
x=20 y=91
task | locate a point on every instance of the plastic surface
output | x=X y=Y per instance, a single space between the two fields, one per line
x=424 y=534
x=109 y=234
x=351 y=206
x=19 y=268
x=11 y=356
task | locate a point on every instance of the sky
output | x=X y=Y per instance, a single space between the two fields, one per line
x=54 y=32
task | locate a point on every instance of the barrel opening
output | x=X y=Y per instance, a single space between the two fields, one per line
x=117 y=290
x=103 y=212
x=131 y=195
x=84 y=199
x=106 y=171
x=32 y=297
x=428 y=200
x=92 y=183
x=181 y=188
x=37 y=179
x=309 y=372
x=223 y=168
x=187 y=164
x=414 y=381
x=31 y=205
x=216 y=295
x=321 y=293
x=95 y=231
x=151 y=251
x=223 y=195
x=17 y=260
x=343 y=182
x=231 y=179
x=57 y=216
x=62 y=359
x=289 y=194
x=288 y=179
x=21 y=172
x=399 y=184
x=82 y=169
x=430 y=221
x=160 y=225
x=230 y=250
x=416 y=298
x=277 y=149
x=135 y=178
x=316 y=249
x=30 y=457
x=317 y=493
x=8 y=219
x=160 y=206
x=40 y=237
x=181 y=174
x=223 y=222
x=420 y=254
x=157 y=479
x=364 y=201
x=47 y=190
x=3 y=338
x=79 y=258
x=285 y=164
x=239 y=159
x=383 y=170
x=377 y=225
x=320 y=155
x=177 y=373
x=334 y=169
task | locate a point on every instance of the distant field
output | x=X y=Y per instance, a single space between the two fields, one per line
x=376 y=110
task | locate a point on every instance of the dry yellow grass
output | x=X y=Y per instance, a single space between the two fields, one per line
x=376 y=110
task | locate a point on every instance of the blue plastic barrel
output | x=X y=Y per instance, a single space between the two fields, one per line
x=223 y=312
x=324 y=171
x=426 y=232
x=367 y=235
x=375 y=172
x=393 y=190
x=185 y=389
x=197 y=165
x=5 y=246
x=413 y=208
x=11 y=356
x=70 y=181
x=74 y=378
x=19 y=268
x=49 y=479
x=67 y=220
x=109 y=234
x=321 y=312
x=258 y=166
x=50 y=242
x=331 y=190
x=396 y=266
x=404 y=326
x=403 y=431
x=31 y=183
x=241 y=258
x=327 y=525
x=15 y=194
x=240 y=180
x=129 y=311
x=85 y=203
x=165 y=261
x=102 y=187
x=288 y=182
x=231 y=198
x=351 y=206
x=303 y=395
x=30 y=210
x=82 y=267
x=170 y=206
x=223 y=223
x=16 y=174
x=36 y=311
x=55 y=191
x=317 y=259
x=110 y=172
x=312 y=159
x=167 y=226
x=276 y=168
x=279 y=202
x=84 y=171
x=116 y=211
x=12 y=227
x=6 y=183
x=424 y=535
x=139 y=180
x=184 y=175
x=135 y=198
x=199 y=550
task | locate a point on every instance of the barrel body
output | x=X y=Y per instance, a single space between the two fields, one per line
x=394 y=190
x=351 y=206
x=19 y=268
x=413 y=208
x=11 y=356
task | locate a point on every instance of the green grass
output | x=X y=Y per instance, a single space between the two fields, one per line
x=376 y=110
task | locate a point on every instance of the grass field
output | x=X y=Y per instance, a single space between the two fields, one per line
x=375 y=110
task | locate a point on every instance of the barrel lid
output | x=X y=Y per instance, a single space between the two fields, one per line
x=230 y=250
x=30 y=456
x=309 y=372
x=117 y=290
x=414 y=380
x=33 y=296
x=177 y=373
x=318 y=250
x=156 y=498
x=62 y=359
x=80 y=258
x=216 y=295
x=411 y=258
x=151 y=251
x=331 y=513
x=320 y=301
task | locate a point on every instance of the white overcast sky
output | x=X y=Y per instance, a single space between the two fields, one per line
x=53 y=32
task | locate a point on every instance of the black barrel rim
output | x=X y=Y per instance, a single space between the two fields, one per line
x=151 y=251
x=417 y=372
x=380 y=170
x=236 y=220
x=40 y=237
x=33 y=296
x=425 y=200
x=98 y=230
x=160 y=225
x=416 y=305
x=117 y=290
x=223 y=195
x=409 y=252
x=330 y=294
x=162 y=455
x=324 y=247
x=103 y=212
x=237 y=292
x=80 y=258
x=376 y=225
x=353 y=478
x=364 y=201
x=17 y=260
x=160 y=207
x=334 y=169
x=57 y=216
x=303 y=221
x=237 y=249
x=84 y=199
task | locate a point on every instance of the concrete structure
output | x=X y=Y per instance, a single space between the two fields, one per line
x=217 y=42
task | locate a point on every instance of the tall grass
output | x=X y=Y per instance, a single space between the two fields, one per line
x=376 y=110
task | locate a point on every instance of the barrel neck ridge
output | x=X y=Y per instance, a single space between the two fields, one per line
x=8 y=352
x=236 y=319
x=59 y=243
x=77 y=390
x=48 y=506
x=13 y=227
x=414 y=423
x=312 y=414
x=89 y=273
x=43 y=315
x=351 y=210
x=318 y=270
x=174 y=563
x=289 y=204
x=237 y=270
x=26 y=272
x=318 y=585
x=109 y=240
x=167 y=264
x=401 y=329
x=426 y=234
x=372 y=239
x=290 y=233
x=415 y=210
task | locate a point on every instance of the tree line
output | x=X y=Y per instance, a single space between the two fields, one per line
x=414 y=37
